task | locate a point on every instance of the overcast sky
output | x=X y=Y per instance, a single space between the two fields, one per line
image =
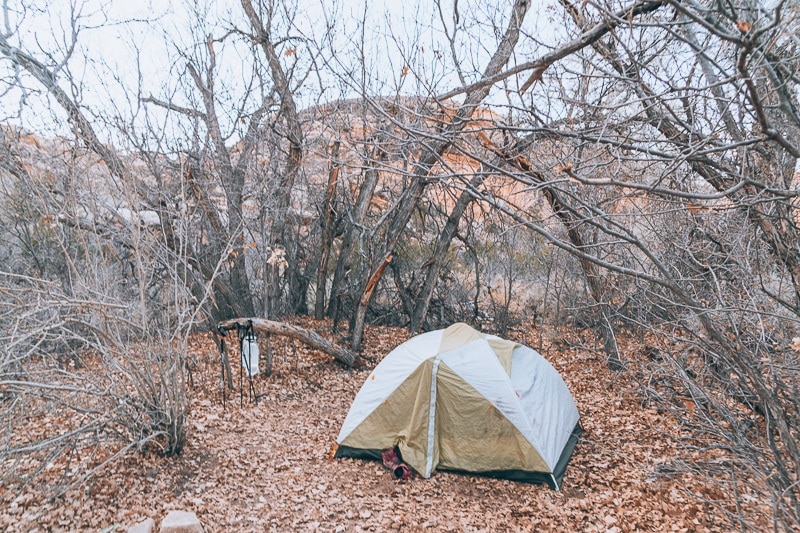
x=137 y=45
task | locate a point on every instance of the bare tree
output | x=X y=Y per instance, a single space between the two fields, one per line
x=327 y=232
x=78 y=288
x=655 y=142
x=423 y=165
x=674 y=186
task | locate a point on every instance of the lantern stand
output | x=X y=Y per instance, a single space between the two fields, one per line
x=248 y=348
x=248 y=351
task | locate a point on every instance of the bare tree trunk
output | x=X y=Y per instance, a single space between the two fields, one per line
x=439 y=255
x=361 y=308
x=327 y=233
x=294 y=134
x=365 y=193
x=408 y=201
x=232 y=179
x=476 y=300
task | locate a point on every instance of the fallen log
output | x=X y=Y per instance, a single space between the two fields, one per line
x=311 y=338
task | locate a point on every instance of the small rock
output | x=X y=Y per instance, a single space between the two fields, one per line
x=145 y=526
x=181 y=522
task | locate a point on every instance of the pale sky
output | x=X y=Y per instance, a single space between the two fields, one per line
x=399 y=33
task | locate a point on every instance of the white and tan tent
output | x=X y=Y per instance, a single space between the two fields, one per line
x=456 y=399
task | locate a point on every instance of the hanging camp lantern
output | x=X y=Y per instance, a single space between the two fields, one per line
x=250 y=353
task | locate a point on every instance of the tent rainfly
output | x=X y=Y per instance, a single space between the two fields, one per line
x=457 y=399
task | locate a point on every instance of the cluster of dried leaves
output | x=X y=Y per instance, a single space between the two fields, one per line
x=266 y=466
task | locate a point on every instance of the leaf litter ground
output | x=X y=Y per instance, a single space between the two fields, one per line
x=266 y=466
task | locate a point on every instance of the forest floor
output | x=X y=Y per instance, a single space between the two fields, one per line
x=266 y=466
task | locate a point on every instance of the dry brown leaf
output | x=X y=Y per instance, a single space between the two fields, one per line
x=266 y=466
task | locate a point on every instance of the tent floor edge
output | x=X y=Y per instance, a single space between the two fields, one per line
x=519 y=476
x=551 y=479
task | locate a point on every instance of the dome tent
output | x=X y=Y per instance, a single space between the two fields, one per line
x=457 y=399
